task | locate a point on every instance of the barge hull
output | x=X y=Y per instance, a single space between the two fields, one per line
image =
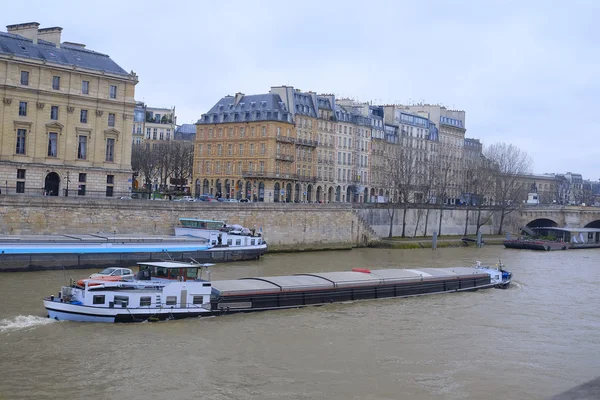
x=41 y=262
x=304 y=298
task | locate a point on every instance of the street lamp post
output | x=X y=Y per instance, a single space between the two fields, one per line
x=68 y=180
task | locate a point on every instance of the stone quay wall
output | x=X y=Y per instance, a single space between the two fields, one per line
x=286 y=227
x=378 y=217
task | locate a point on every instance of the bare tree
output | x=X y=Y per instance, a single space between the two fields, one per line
x=430 y=171
x=145 y=162
x=477 y=188
x=182 y=162
x=442 y=179
x=402 y=176
x=511 y=164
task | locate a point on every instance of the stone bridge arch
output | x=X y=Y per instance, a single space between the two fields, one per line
x=542 y=223
x=593 y=224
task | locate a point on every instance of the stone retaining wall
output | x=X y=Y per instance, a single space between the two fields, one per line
x=286 y=227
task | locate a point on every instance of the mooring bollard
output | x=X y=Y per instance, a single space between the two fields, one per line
x=434 y=240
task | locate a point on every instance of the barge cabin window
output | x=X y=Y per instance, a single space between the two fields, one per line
x=201 y=223
x=122 y=300
x=171 y=273
x=198 y=299
x=145 y=301
x=99 y=299
x=171 y=300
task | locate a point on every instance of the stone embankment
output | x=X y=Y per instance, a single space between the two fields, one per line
x=286 y=227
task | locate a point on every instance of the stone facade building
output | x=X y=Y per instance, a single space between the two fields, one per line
x=66 y=116
x=246 y=148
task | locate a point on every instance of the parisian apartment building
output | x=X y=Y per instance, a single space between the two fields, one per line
x=66 y=117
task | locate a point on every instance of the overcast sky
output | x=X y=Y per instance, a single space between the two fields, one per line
x=525 y=72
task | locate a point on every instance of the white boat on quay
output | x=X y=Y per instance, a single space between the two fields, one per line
x=159 y=291
x=229 y=242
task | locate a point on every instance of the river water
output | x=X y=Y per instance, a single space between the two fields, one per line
x=536 y=339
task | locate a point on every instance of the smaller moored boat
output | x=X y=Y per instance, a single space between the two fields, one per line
x=228 y=242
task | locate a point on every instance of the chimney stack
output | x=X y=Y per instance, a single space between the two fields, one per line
x=51 y=35
x=28 y=30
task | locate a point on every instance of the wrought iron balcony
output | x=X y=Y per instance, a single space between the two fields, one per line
x=310 y=179
x=285 y=139
x=267 y=175
x=284 y=157
x=307 y=142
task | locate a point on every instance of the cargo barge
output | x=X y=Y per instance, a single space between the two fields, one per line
x=87 y=251
x=175 y=290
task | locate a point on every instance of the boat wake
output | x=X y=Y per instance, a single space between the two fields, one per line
x=22 y=322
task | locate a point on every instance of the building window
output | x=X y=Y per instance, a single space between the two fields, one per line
x=229 y=149
x=264 y=131
x=20 y=174
x=83 y=117
x=23 y=108
x=219 y=149
x=52 y=144
x=54 y=113
x=82 y=149
x=85 y=87
x=56 y=82
x=109 y=191
x=154 y=133
x=262 y=149
x=262 y=166
x=228 y=167
x=252 y=149
x=113 y=92
x=24 y=78
x=111 y=119
x=209 y=150
x=81 y=190
x=168 y=134
x=242 y=132
x=148 y=131
x=82 y=177
x=110 y=179
x=162 y=135
x=241 y=149
x=239 y=167
x=230 y=132
x=21 y=187
x=21 y=136
x=110 y=150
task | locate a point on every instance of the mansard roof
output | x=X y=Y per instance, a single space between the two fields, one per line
x=248 y=108
x=66 y=54
x=185 y=132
